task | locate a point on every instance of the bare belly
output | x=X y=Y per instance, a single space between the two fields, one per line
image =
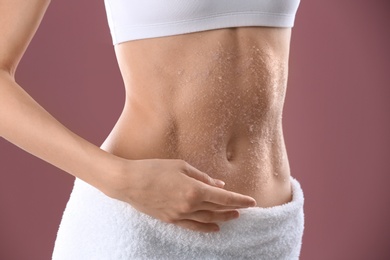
x=213 y=99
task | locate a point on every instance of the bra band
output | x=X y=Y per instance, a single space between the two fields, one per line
x=133 y=20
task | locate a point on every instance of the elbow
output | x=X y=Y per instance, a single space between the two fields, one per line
x=8 y=64
x=7 y=74
x=7 y=70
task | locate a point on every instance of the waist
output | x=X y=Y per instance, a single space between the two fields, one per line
x=249 y=157
x=213 y=99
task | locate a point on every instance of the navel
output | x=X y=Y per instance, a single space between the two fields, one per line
x=230 y=154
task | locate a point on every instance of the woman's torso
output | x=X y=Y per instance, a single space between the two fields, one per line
x=214 y=99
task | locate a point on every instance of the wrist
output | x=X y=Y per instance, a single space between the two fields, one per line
x=113 y=175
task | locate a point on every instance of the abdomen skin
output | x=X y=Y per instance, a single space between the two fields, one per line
x=214 y=99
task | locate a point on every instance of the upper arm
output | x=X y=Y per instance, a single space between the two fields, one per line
x=19 y=20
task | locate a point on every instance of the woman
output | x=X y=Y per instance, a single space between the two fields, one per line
x=198 y=145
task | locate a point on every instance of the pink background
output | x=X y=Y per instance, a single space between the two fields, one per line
x=336 y=123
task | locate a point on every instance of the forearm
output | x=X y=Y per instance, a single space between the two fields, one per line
x=170 y=190
x=26 y=124
x=23 y=121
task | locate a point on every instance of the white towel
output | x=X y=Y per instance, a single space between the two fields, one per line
x=95 y=227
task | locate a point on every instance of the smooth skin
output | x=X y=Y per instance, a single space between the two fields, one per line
x=214 y=99
x=186 y=196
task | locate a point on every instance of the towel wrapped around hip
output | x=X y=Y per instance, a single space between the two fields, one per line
x=95 y=227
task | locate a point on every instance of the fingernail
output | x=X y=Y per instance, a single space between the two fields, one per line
x=235 y=214
x=215 y=229
x=253 y=203
x=219 y=183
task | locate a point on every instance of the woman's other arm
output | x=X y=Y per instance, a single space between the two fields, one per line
x=170 y=190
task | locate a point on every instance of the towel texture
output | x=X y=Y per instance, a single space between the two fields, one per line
x=95 y=226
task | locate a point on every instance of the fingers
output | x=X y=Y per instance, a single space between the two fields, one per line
x=227 y=198
x=206 y=216
x=203 y=177
x=205 y=197
x=204 y=221
x=213 y=206
x=219 y=183
x=197 y=226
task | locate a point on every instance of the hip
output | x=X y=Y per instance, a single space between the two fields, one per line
x=250 y=162
x=95 y=226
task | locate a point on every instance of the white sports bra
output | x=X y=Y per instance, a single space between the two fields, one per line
x=132 y=20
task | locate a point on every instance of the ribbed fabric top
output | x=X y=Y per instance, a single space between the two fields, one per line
x=132 y=20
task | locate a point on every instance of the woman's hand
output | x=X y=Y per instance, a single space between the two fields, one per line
x=169 y=190
x=175 y=192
